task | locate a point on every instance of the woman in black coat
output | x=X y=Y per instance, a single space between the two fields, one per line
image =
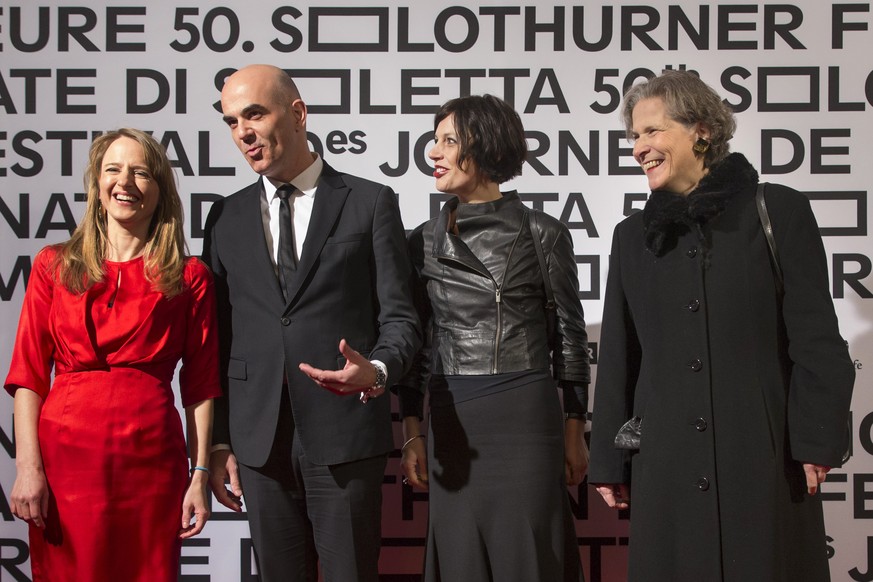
x=740 y=387
x=498 y=454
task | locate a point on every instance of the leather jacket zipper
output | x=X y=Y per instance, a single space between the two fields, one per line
x=499 y=327
x=498 y=289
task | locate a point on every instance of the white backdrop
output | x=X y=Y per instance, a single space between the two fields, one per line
x=800 y=77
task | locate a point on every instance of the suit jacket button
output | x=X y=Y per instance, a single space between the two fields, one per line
x=286 y=321
x=693 y=305
x=702 y=483
x=695 y=365
x=691 y=253
x=700 y=424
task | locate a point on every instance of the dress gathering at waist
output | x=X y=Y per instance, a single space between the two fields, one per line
x=446 y=390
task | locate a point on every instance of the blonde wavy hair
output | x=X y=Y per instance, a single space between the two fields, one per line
x=79 y=261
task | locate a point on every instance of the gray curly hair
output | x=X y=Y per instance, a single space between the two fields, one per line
x=688 y=100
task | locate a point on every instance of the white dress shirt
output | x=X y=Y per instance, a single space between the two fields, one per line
x=301 y=208
x=302 y=201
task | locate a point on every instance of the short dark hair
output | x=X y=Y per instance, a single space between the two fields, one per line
x=688 y=100
x=490 y=133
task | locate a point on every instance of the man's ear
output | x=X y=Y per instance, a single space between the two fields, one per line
x=298 y=108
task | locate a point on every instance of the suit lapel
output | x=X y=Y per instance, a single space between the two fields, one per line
x=330 y=197
x=254 y=242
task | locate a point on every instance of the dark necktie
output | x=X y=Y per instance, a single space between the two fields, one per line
x=286 y=256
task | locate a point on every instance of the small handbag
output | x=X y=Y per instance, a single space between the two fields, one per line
x=628 y=436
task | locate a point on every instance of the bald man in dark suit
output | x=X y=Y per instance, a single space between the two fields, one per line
x=315 y=315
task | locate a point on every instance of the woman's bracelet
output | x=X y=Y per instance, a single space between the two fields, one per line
x=199 y=468
x=409 y=440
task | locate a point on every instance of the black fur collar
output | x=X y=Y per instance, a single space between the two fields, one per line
x=667 y=216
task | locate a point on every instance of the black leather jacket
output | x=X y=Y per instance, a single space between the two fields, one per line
x=481 y=294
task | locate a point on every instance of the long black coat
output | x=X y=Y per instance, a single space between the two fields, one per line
x=736 y=385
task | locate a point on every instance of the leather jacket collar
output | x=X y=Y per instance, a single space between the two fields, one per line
x=448 y=246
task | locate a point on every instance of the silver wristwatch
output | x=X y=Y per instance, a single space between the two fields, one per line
x=381 y=377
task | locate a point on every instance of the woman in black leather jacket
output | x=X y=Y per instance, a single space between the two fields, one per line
x=497 y=457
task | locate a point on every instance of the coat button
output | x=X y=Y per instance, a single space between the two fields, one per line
x=695 y=365
x=691 y=253
x=700 y=424
x=286 y=321
x=702 y=483
x=693 y=305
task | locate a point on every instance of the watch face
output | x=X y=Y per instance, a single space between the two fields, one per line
x=380 y=377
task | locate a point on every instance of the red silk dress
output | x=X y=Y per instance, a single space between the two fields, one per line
x=111 y=438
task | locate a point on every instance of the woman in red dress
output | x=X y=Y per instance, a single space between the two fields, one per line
x=102 y=469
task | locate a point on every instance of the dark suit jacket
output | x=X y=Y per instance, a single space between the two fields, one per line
x=351 y=282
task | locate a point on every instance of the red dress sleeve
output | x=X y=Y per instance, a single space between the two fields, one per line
x=198 y=378
x=33 y=355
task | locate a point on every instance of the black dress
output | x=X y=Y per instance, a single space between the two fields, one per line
x=498 y=503
x=499 y=508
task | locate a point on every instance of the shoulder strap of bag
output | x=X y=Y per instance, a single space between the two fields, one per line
x=764 y=216
x=538 y=245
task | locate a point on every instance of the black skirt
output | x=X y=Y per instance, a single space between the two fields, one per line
x=499 y=507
